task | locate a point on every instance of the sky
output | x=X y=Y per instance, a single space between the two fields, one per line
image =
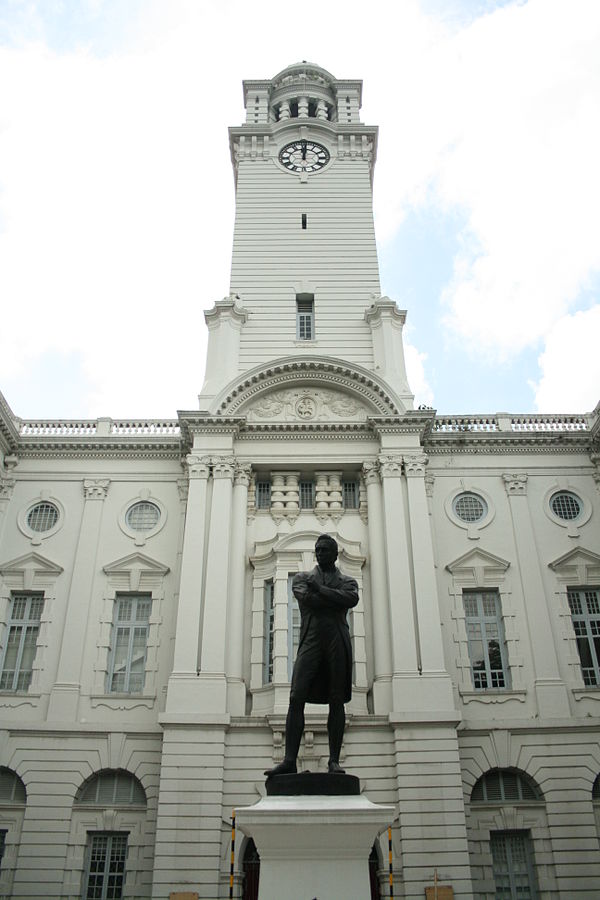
x=117 y=196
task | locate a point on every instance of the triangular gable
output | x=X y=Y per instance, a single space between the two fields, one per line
x=578 y=566
x=479 y=567
x=478 y=558
x=129 y=571
x=30 y=571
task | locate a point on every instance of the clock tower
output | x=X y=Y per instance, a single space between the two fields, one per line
x=304 y=274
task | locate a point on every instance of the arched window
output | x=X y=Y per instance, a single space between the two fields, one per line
x=112 y=787
x=251 y=870
x=12 y=789
x=505 y=786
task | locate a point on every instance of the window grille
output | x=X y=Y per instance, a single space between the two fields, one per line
x=305 y=317
x=127 y=663
x=504 y=786
x=307 y=494
x=513 y=865
x=485 y=635
x=21 y=643
x=112 y=788
x=269 y=631
x=12 y=789
x=42 y=517
x=585 y=615
x=566 y=505
x=351 y=494
x=469 y=507
x=263 y=494
x=104 y=877
x=142 y=516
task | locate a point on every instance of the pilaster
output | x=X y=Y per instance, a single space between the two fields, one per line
x=380 y=612
x=236 y=689
x=183 y=686
x=550 y=690
x=64 y=696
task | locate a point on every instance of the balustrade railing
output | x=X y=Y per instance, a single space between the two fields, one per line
x=507 y=422
x=99 y=428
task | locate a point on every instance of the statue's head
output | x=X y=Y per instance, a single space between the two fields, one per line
x=326 y=551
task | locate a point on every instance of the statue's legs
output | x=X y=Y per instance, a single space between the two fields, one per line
x=294 y=727
x=335 y=729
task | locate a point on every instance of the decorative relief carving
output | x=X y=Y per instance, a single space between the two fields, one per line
x=415 y=465
x=515 y=484
x=7 y=484
x=183 y=488
x=306 y=404
x=95 y=488
x=429 y=484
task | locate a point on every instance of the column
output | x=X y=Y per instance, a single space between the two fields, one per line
x=281 y=640
x=406 y=683
x=182 y=693
x=236 y=689
x=64 y=697
x=429 y=629
x=551 y=693
x=214 y=616
x=380 y=614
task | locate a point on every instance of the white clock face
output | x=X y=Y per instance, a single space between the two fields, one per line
x=304 y=156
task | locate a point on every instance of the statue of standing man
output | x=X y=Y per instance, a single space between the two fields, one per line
x=323 y=668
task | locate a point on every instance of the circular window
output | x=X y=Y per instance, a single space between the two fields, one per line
x=142 y=516
x=566 y=505
x=469 y=507
x=42 y=517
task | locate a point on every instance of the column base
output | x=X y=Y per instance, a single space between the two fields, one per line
x=314 y=846
x=63 y=703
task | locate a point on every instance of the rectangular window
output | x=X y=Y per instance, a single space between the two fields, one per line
x=585 y=614
x=104 y=876
x=127 y=666
x=307 y=494
x=269 y=631
x=263 y=494
x=305 y=317
x=21 y=641
x=513 y=864
x=293 y=627
x=485 y=634
x=350 y=494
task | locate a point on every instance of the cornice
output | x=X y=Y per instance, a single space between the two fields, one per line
x=9 y=427
x=507 y=442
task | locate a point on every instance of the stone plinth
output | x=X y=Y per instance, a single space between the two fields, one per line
x=314 y=846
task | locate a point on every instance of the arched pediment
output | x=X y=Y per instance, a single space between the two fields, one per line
x=308 y=389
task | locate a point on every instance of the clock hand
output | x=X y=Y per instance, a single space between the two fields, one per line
x=303 y=146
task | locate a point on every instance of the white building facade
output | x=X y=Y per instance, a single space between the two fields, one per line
x=147 y=629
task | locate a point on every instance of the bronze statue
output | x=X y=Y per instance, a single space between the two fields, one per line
x=323 y=668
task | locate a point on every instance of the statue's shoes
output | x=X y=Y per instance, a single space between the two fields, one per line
x=334 y=768
x=287 y=767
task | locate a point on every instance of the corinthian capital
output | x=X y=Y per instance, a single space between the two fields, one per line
x=95 y=488
x=415 y=465
x=243 y=472
x=197 y=466
x=371 y=472
x=514 y=484
x=390 y=465
x=223 y=466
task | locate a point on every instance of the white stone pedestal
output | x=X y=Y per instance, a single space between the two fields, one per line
x=314 y=846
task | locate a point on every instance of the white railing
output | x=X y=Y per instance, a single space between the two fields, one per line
x=99 y=428
x=61 y=428
x=465 y=423
x=548 y=423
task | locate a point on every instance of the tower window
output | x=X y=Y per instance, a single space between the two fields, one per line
x=307 y=494
x=312 y=108
x=305 y=317
x=293 y=109
x=304 y=221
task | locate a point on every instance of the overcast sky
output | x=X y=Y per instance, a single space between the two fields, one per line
x=117 y=201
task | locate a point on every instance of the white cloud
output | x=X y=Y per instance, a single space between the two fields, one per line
x=570 y=364
x=417 y=377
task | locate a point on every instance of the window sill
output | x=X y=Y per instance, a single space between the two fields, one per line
x=591 y=693
x=492 y=695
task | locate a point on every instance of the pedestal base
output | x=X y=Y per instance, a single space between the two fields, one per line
x=313 y=846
